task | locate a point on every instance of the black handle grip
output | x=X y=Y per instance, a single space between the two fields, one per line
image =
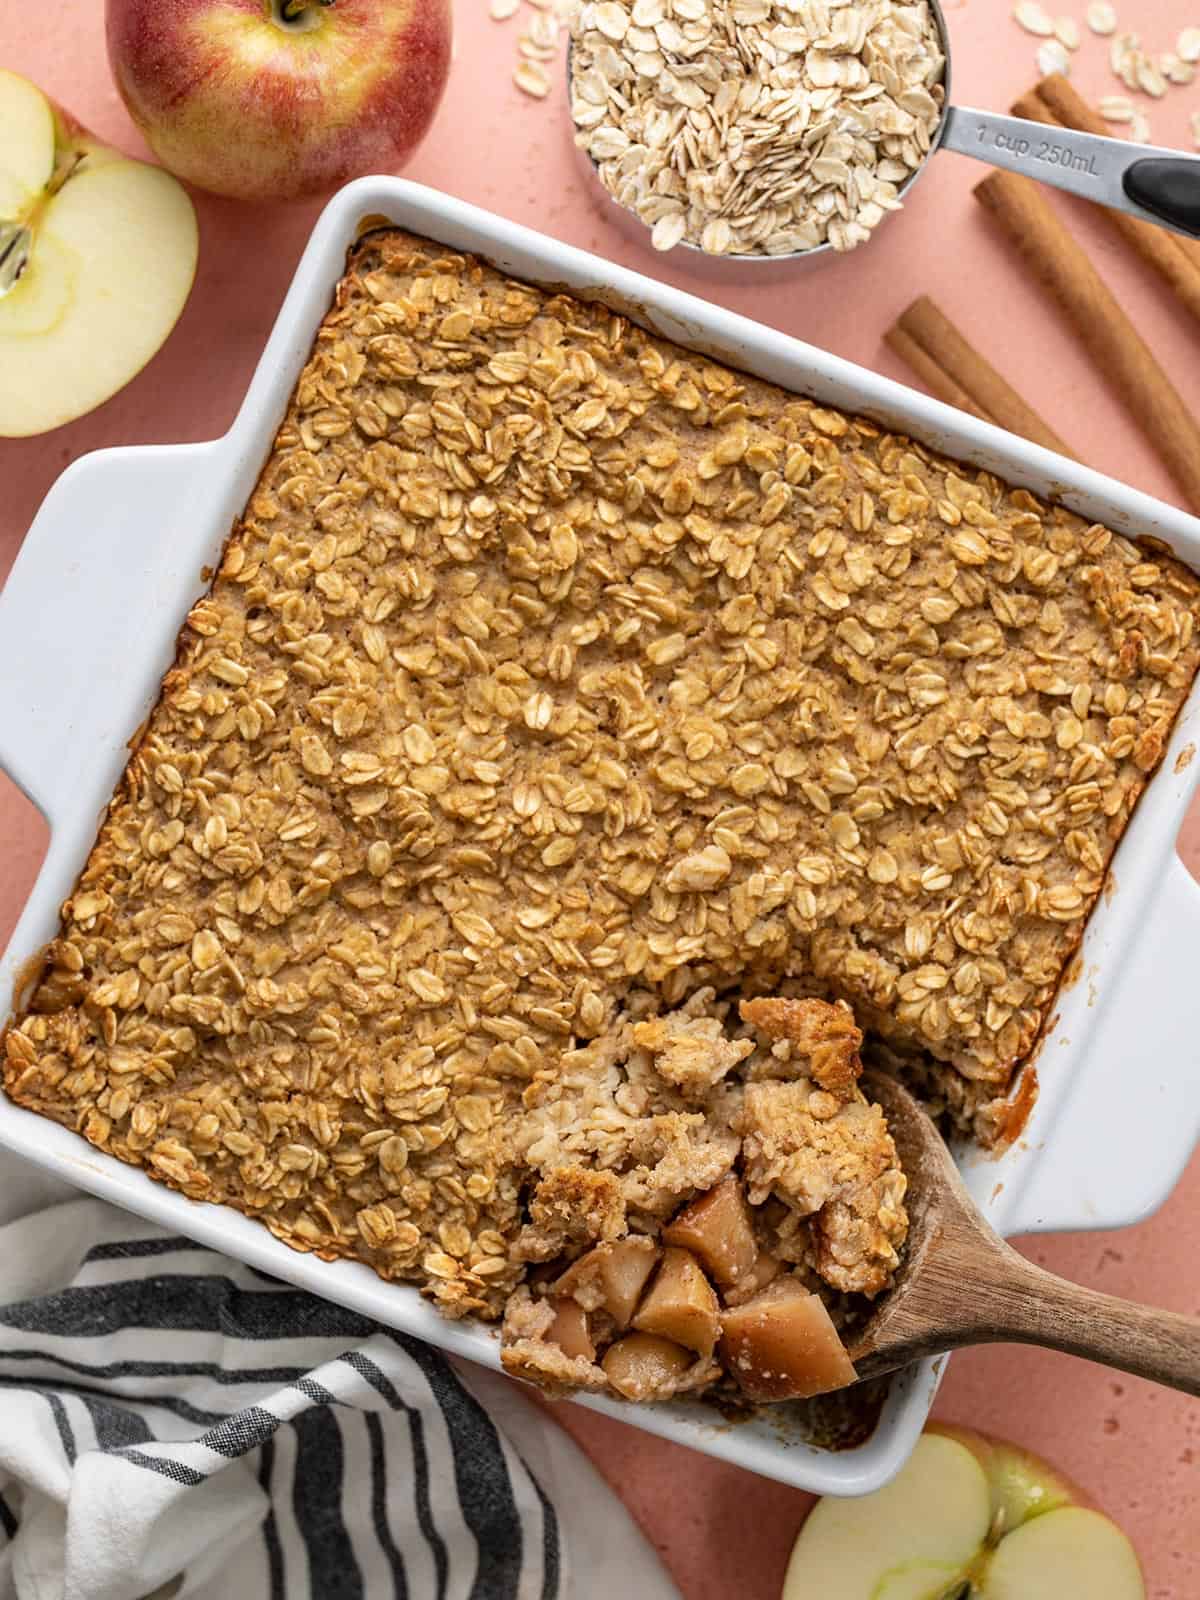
x=1169 y=189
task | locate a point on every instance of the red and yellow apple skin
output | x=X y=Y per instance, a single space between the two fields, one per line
x=242 y=103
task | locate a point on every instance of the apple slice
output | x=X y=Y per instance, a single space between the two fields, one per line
x=611 y=1276
x=947 y=1528
x=570 y=1331
x=1072 y=1551
x=908 y=1541
x=1023 y=1485
x=97 y=258
x=27 y=155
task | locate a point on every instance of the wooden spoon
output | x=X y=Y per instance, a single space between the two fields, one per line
x=961 y=1284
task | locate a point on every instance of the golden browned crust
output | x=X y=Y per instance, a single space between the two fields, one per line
x=571 y=1207
x=826 y=1037
x=550 y=661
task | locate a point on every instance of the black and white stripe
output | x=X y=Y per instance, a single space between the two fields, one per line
x=293 y=1446
x=172 y=1421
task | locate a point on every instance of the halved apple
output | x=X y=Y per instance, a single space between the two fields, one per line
x=97 y=258
x=946 y=1528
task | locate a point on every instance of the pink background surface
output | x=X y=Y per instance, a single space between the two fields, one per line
x=1135 y=1448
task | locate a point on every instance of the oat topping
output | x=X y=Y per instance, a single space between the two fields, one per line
x=826 y=1039
x=553 y=675
x=755 y=126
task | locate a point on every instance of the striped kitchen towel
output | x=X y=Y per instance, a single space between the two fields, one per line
x=175 y=1424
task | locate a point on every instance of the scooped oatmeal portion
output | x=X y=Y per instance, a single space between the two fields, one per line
x=708 y=1188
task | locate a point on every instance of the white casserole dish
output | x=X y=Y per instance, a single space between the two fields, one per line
x=88 y=624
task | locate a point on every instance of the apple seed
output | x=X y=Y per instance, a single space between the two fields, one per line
x=16 y=246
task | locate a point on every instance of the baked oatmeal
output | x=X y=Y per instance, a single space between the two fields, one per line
x=554 y=675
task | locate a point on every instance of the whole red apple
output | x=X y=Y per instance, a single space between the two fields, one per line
x=275 y=99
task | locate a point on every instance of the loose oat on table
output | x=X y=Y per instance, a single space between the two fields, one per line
x=1115 y=108
x=1150 y=79
x=1175 y=70
x=755 y=126
x=554 y=675
x=1139 y=128
x=1066 y=31
x=1053 y=56
x=1102 y=17
x=1034 y=18
x=531 y=79
x=1125 y=56
x=1139 y=72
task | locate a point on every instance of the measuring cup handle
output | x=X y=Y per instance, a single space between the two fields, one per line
x=1169 y=187
x=1159 y=186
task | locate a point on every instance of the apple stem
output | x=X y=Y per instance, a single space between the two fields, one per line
x=293 y=10
x=66 y=167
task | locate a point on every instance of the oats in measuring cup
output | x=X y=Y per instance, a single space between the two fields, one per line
x=756 y=127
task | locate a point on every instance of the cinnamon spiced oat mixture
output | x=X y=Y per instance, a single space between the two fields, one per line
x=553 y=675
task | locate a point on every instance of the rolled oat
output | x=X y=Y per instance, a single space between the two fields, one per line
x=756 y=126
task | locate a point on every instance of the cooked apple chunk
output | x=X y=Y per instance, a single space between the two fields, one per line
x=642 y=1366
x=533 y=1347
x=570 y=1331
x=682 y=1304
x=716 y=1228
x=782 y=1345
x=764 y=1271
x=611 y=1277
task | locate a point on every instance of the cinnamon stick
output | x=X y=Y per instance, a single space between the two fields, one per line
x=1033 y=108
x=1173 y=257
x=956 y=372
x=1105 y=331
x=936 y=379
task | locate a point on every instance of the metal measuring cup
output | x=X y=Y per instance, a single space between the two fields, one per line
x=1158 y=185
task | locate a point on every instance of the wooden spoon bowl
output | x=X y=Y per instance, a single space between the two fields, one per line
x=960 y=1283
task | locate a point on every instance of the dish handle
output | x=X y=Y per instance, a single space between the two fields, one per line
x=1127 y=1129
x=115 y=534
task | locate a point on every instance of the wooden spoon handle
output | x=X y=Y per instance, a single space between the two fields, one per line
x=1032 y=1306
